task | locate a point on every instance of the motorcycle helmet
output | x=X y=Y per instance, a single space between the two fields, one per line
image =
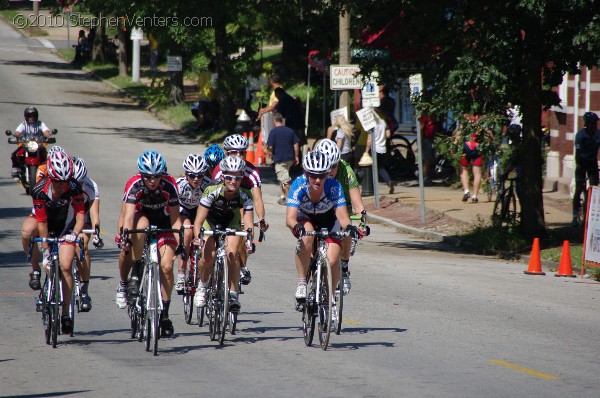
x=232 y=164
x=329 y=148
x=316 y=162
x=31 y=111
x=60 y=166
x=213 y=155
x=79 y=169
x=152 y=163
x=195 y=163
x=235 y=142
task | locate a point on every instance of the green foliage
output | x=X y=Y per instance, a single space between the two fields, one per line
x=484 y=239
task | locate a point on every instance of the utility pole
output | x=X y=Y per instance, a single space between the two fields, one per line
x=345 y=53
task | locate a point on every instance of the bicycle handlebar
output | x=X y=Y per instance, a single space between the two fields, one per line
x=152 y=230
x=261 y=233
x=225 y=232
x=327 y=234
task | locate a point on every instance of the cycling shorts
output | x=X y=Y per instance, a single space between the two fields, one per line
x=335 y=227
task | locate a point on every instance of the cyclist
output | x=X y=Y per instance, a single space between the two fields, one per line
x=150 y=199
x=587 y=142
x=190 y=188
x=341 y=171
x=213 y=155
x=237 y=145
x=29 y=229
x=220 y=205
x=316 y=201
x=52 y=197
x=91 y=197
x=32 y=126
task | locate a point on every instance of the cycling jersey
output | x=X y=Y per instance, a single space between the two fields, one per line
x=154 y=204
x=90 y=193
x=55 y=212
x=251 y=176
x=322 y=213
x=189 y=197
x=345 y=175
x=221 y=210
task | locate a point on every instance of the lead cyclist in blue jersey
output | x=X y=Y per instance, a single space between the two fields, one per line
x=316 y=201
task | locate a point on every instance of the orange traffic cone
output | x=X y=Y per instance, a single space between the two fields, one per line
x=565 y=268
x=535 y=262
x=260 y=155
x=250 y=151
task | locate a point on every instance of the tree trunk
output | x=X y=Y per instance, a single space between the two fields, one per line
x=532 y=203
x=122 y=53
x=226 y=103
x=99 y=50
x=176 y=89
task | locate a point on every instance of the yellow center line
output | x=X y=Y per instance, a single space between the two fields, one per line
x=524 y=370
x=351 y=321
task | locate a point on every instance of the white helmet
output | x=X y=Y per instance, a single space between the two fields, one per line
x=316 y=162
x=55 y=148
x=60 y=166
x=232 y=164
x=329 y=148
x=195 y=164
x=235 y=142
x=79 y=168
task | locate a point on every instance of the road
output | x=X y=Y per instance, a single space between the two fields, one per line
x=422 y=319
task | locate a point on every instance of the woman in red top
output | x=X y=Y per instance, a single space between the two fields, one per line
x=470 y=157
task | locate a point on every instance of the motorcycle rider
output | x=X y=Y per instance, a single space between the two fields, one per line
x=31 y=126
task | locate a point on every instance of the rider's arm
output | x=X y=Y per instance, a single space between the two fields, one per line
x=330 y=131
x=45 y=129
x=201 y=215
x=95 y=212
x=341 y=213
x=356 y=200
x=78 y=203
x=259 y=205
x=248 y=220
x=291 y=216
x=174 y=216
x=128 y=215
x=43 y=232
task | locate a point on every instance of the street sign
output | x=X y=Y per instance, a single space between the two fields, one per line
x=416 y=84
x=344 y=77
x=342 y=111
x=367 y=118
x=174 y=64
x=371 y=102
x=370 y=92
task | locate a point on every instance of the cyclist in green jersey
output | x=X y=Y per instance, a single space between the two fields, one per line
x=342 y=172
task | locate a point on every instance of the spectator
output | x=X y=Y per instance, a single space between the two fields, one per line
x=470 y=157
x=82 y=49
x=206 y=109
x=428 y=127
x=387 y=106
x=587 y=142
x=381 y=133
x=153 y=53
x=275 y=83
x=285 y=151
x=291 y=112
x=342 y=132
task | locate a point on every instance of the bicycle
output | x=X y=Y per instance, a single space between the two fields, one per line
x=147 y=307
x=319 y=289
x=494 y=176
x=505 y=207
x=51 y=296
x=217 y=305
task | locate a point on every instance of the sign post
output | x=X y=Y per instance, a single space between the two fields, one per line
x=136 y=36
x=416 y=86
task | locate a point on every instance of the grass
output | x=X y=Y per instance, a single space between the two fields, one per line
x=17 y=17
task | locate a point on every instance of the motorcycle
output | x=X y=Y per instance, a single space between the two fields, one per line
x=31 y=158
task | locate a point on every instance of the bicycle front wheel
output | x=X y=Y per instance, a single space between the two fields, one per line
x=308 y=310
x=212 y=306
x=155 y=309
x=46 y=309
x=339 y=302
x=55 y=303
x=224 y=297
x=324 y=302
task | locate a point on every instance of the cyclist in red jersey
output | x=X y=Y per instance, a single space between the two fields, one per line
x=150 y=199
x=52 y=197
x=237 y=145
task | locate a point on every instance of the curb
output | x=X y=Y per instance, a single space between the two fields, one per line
x=433 y=236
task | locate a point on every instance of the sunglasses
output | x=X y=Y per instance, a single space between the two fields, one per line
x=316 y=176
x=230 y=177
x=149 y=177
x=194 y=176
x=236 y=152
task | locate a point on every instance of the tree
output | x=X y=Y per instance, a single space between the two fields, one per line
x=482 y=55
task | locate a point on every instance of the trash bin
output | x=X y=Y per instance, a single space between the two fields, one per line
x=366 y=169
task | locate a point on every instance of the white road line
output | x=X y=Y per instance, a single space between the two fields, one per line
x=47 y=43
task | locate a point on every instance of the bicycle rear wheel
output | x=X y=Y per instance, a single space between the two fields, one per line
x=324 y=302
x=55 y=303
x=46 y=309
x=188 y=293
x=308 y=310
x=339 y=302
x=232 y=321
x=74 y=304
x=200 y=316
x=497 y=213
x=212 y=306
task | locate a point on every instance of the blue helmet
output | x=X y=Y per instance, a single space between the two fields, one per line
x=152 y=162
x=213 y=155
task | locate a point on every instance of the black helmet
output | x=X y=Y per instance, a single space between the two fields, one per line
x=589 y=117
x=31 y=111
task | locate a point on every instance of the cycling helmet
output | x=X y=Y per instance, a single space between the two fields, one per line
x=194 y=164
x=213 y=155
x=31 y=111
x=235 y=142
x=56 y=148
x=79 y=168
x=316 y=162
x=329 y=148
x=60 y=166
x=589 y=117
x=232 y=164
x=152 y=162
